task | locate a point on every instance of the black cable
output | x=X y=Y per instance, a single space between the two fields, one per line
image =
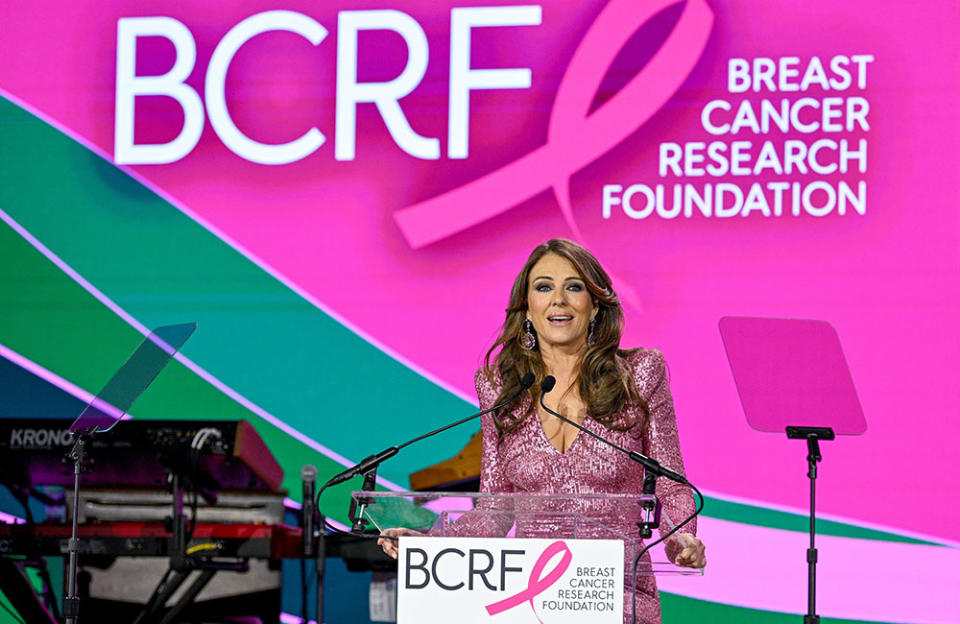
x=194 y=489
x=24 y=499
x=326 y=523
x=647 y=547
x=194 y=455
x=48 y=596
x=193 y=516
x=13 y=614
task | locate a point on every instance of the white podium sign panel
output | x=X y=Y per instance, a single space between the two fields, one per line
x=509 y=581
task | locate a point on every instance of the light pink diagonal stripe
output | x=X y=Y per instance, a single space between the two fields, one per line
x=763 y=568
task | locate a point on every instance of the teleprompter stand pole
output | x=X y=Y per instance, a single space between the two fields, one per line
x=812 y=435
x=71 y=602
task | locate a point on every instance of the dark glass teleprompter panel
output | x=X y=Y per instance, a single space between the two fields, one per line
x=132 y=378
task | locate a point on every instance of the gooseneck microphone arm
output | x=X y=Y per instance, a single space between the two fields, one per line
x=651 y=465
x=375 y=460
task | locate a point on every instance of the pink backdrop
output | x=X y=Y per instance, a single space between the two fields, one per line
x=539 y=158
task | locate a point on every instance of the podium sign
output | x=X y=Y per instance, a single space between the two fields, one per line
x=500 y=580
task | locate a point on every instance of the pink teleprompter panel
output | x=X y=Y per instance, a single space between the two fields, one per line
x=791 y=373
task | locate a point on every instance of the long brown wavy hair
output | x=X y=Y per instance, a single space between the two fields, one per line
x=604 y=380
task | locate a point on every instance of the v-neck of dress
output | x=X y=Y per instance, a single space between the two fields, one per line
x=546 y=440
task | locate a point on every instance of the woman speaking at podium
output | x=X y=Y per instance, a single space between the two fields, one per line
x=565 y=320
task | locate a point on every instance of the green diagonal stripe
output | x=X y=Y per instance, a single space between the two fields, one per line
x=775 y=519
x=48 y=316
x=677 y=608
x=255 y=334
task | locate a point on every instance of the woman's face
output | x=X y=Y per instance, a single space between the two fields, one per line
x=558 y=303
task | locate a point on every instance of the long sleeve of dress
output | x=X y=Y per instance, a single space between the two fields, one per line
x=490 y=518
x=662 y=443
x=492 y=476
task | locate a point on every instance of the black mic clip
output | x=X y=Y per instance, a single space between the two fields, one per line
x=359 y=522
x=364 y=467
x=358 y=505
x=651 y=507
x=652 y=466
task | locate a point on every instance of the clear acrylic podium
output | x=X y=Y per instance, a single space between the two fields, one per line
x=553 y=516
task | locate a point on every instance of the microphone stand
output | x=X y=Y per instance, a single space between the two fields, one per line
x=321 y=563
x=314 y=545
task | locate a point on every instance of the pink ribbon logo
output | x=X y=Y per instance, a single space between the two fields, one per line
x=575 y=136
x=537 y=584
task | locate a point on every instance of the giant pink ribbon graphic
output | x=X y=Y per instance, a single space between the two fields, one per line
x=575 y=137
x=536 y=584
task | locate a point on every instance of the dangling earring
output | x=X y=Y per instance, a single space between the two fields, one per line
x=529 y=340
x=591 y=338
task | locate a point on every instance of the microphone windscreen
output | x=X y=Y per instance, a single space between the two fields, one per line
x=308 y=473
x=526 y=381
x=547 y=384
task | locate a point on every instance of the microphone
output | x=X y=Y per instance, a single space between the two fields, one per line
x=375 y=460
x=370 y=462
x=308 y=511
x=649 y=464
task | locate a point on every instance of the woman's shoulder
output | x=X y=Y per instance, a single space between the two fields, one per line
x=487 y=376
x=488 y=383
x=647 y=366
x=642 y=356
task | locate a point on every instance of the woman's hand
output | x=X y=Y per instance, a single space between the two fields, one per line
x=390 y=546
x=693 y=554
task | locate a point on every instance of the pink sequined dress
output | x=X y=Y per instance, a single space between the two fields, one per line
x=525 y=461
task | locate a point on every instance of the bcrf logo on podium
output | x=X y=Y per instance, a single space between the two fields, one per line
x=510 y=581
